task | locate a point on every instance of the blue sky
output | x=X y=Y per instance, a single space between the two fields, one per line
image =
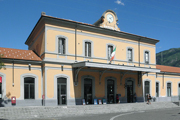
x=158 y=19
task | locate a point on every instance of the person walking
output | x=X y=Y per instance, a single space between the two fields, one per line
x=148 y=99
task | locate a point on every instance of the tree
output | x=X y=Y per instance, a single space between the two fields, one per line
x=1 y=63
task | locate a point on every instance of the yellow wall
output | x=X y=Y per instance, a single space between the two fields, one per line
x=50 y=73
x=99 y=47
x=16 y=89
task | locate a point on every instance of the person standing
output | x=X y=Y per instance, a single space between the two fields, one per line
x=148 y=99
x=135 y=97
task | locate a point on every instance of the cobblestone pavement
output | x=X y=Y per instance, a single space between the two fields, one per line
x=45 y=112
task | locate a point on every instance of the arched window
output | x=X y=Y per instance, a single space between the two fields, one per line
x=157 y=89
x=29 y=88
x=0 y=87
x=146 y=89
x=179 y=90
x=168 y=89
x=88 y=90
x=110 y=91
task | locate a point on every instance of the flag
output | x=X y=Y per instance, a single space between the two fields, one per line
x=113 y=54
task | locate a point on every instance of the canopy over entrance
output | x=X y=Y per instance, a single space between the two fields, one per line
x=105 y=66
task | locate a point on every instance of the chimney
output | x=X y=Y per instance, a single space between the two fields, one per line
x=43 y=13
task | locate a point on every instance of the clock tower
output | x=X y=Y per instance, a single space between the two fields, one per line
x=108 y=20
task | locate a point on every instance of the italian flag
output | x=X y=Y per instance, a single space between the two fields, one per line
x=113 y=54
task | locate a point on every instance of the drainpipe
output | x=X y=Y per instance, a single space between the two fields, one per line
x=139 y=50
x=163 y=80
x=76 y=42
x=13 y=74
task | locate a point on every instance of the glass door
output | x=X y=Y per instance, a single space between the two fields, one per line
x=179 y=91
x=62 y=98
x=146 y=89
x=88 y=91
x=130 y=91
x=110 y=91
x=61 y=91
x=0 y=90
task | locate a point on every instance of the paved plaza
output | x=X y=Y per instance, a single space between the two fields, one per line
x=40 y=112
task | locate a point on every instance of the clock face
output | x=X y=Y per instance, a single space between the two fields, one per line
x=110 y=18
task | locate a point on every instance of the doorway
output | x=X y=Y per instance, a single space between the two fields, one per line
x=61 y=91
x=0 y=90
x=110 y=91
x=146 y=89
x=179 y=91
x=88 y=90
x=130 y=91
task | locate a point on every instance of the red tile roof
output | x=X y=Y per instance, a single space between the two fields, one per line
x=19 y=54
x=168 y=69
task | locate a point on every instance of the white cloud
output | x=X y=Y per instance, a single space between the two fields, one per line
x=119 y=2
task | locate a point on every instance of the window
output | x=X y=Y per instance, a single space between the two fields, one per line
x=62 y=91
x=147 y=57
x=110 y=91
x=147 y=89
x=168 y=89
x=157 y=89
x=29 y=88
x=110 y=50
x=88 y=90
x=129 y=54
x=0 y=87
x=87 y=49
x=61 y=47
x=179 y=91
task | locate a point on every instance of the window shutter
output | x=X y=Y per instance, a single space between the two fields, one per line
x=60 y=45
x=130 y=54
x=147 y=57
x=89 y=50
x=85 y=48
x=111 y=50
x=64 y=45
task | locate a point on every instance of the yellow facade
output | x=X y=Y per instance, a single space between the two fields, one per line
x=75 y=65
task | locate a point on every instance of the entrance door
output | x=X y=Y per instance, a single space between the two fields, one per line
x=61 y=88
x=88 y=91
x=110 y=91
x=146 y=89
x=179 y=91
x=130 y=91
x=0 y=90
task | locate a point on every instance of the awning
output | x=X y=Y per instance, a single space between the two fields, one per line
x=115 y=67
